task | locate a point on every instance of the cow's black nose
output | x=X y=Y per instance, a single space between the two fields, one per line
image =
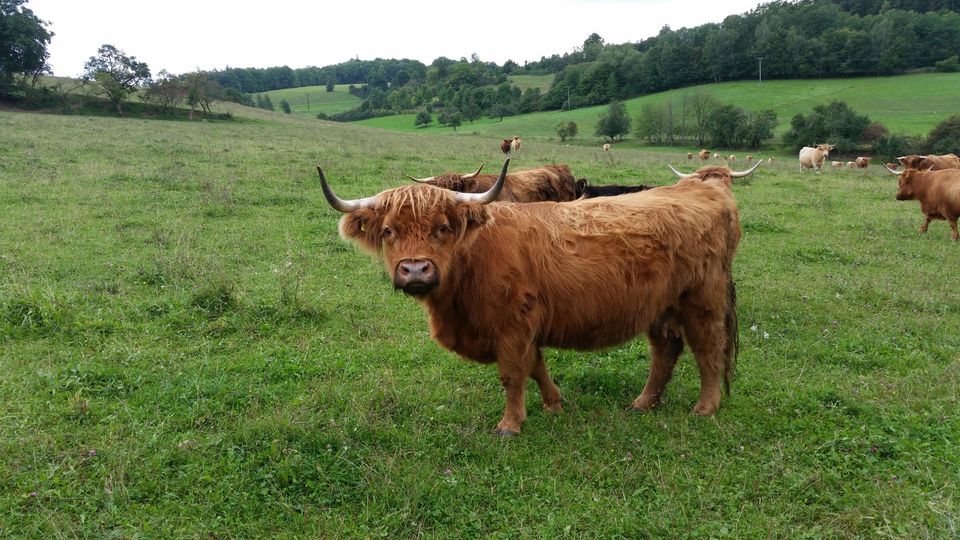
x=415 y=276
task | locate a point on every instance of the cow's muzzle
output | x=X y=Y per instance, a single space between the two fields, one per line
x=415 y=277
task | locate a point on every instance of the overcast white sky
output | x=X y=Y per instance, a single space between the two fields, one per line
x=181 y=35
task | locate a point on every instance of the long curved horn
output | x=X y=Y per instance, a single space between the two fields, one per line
x=680 y=174
x=421 y=180
x=340 y=204
x=747 y=172
x=471 y=175
x=463 y=176
x=488 y=196
x=891 y=171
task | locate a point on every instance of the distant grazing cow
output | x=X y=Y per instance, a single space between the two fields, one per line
x=891 y=167
x=862 y=162
x=689 y=155
x=836 y=164
x=500 y=282
x=851 y=164
x=769 y=160
x=732 y=158
x=585 y=190
x=749 y=158
x=812 y=158
x=547 y=183
x=606 y=147
x=505 y=146
x=715 y=172
x=704 y=155
x=716 y=155
x=938 y=192
x=936 y=163
x=515 y=144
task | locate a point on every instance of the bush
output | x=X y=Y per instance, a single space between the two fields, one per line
x=948 y=65
x=945 y=137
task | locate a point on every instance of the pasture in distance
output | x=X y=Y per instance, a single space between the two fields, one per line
x=905 y=104
x=189 y=350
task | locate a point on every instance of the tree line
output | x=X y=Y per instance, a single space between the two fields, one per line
x=807 y=39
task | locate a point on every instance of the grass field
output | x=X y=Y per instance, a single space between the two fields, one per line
x=190 y=351
x=905 y=104
x=523 y=82
x=310 y=100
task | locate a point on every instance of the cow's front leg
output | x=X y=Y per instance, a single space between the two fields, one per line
x=515 y=363
x=926 y=223
x=953 y=227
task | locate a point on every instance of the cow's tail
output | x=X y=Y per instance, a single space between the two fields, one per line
x=732 y=350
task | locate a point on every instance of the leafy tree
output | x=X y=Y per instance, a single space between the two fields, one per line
x=725 y=125
x=202 y=91
x=835 y=123
x=615 y=122
x=117 y=74
x=268 y=103
x=423 y=119
x=567 y=130
x=503 y=109
x=23 y=44
x=330 y=85
x=759 y=128
x=167 y=91
x=652 y=124
x=701 y=105
x=285 y=106
x=451 y=117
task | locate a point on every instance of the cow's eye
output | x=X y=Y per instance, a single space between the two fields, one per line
x=444 y=229
x=386 y=232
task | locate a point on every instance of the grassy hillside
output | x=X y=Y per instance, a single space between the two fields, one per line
x=905 y=104
x=310 y=100
x=189 y=351
x=532 y=81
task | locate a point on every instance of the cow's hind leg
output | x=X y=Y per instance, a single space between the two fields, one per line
x=952 y=220
x=666 y=344
x=548 y=390
x=704 y=327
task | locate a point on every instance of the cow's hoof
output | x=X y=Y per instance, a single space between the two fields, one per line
x=638 y=410
x=553 y=407
x=504 y=432
x=704 y=410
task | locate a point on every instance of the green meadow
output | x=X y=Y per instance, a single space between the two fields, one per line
x=905 y=104
x=189 y=351
x=310 y=100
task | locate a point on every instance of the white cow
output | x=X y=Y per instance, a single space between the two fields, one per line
x=812 y=158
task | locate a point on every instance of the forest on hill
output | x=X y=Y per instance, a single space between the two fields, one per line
x=805 y=39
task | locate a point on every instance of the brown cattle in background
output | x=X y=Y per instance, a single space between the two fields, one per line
x=547 y=183
x=862 y=162
x=500 y=282
x=505 y=146
x=936 y=163
x=704 y=155
x=938 y=193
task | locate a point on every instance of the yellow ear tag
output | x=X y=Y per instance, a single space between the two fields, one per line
x=363 y=227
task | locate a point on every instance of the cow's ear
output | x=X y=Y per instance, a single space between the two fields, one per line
x=362 y=227
x=473 y=215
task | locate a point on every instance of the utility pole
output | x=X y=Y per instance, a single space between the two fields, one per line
x=760 y=60
x=308 y=102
